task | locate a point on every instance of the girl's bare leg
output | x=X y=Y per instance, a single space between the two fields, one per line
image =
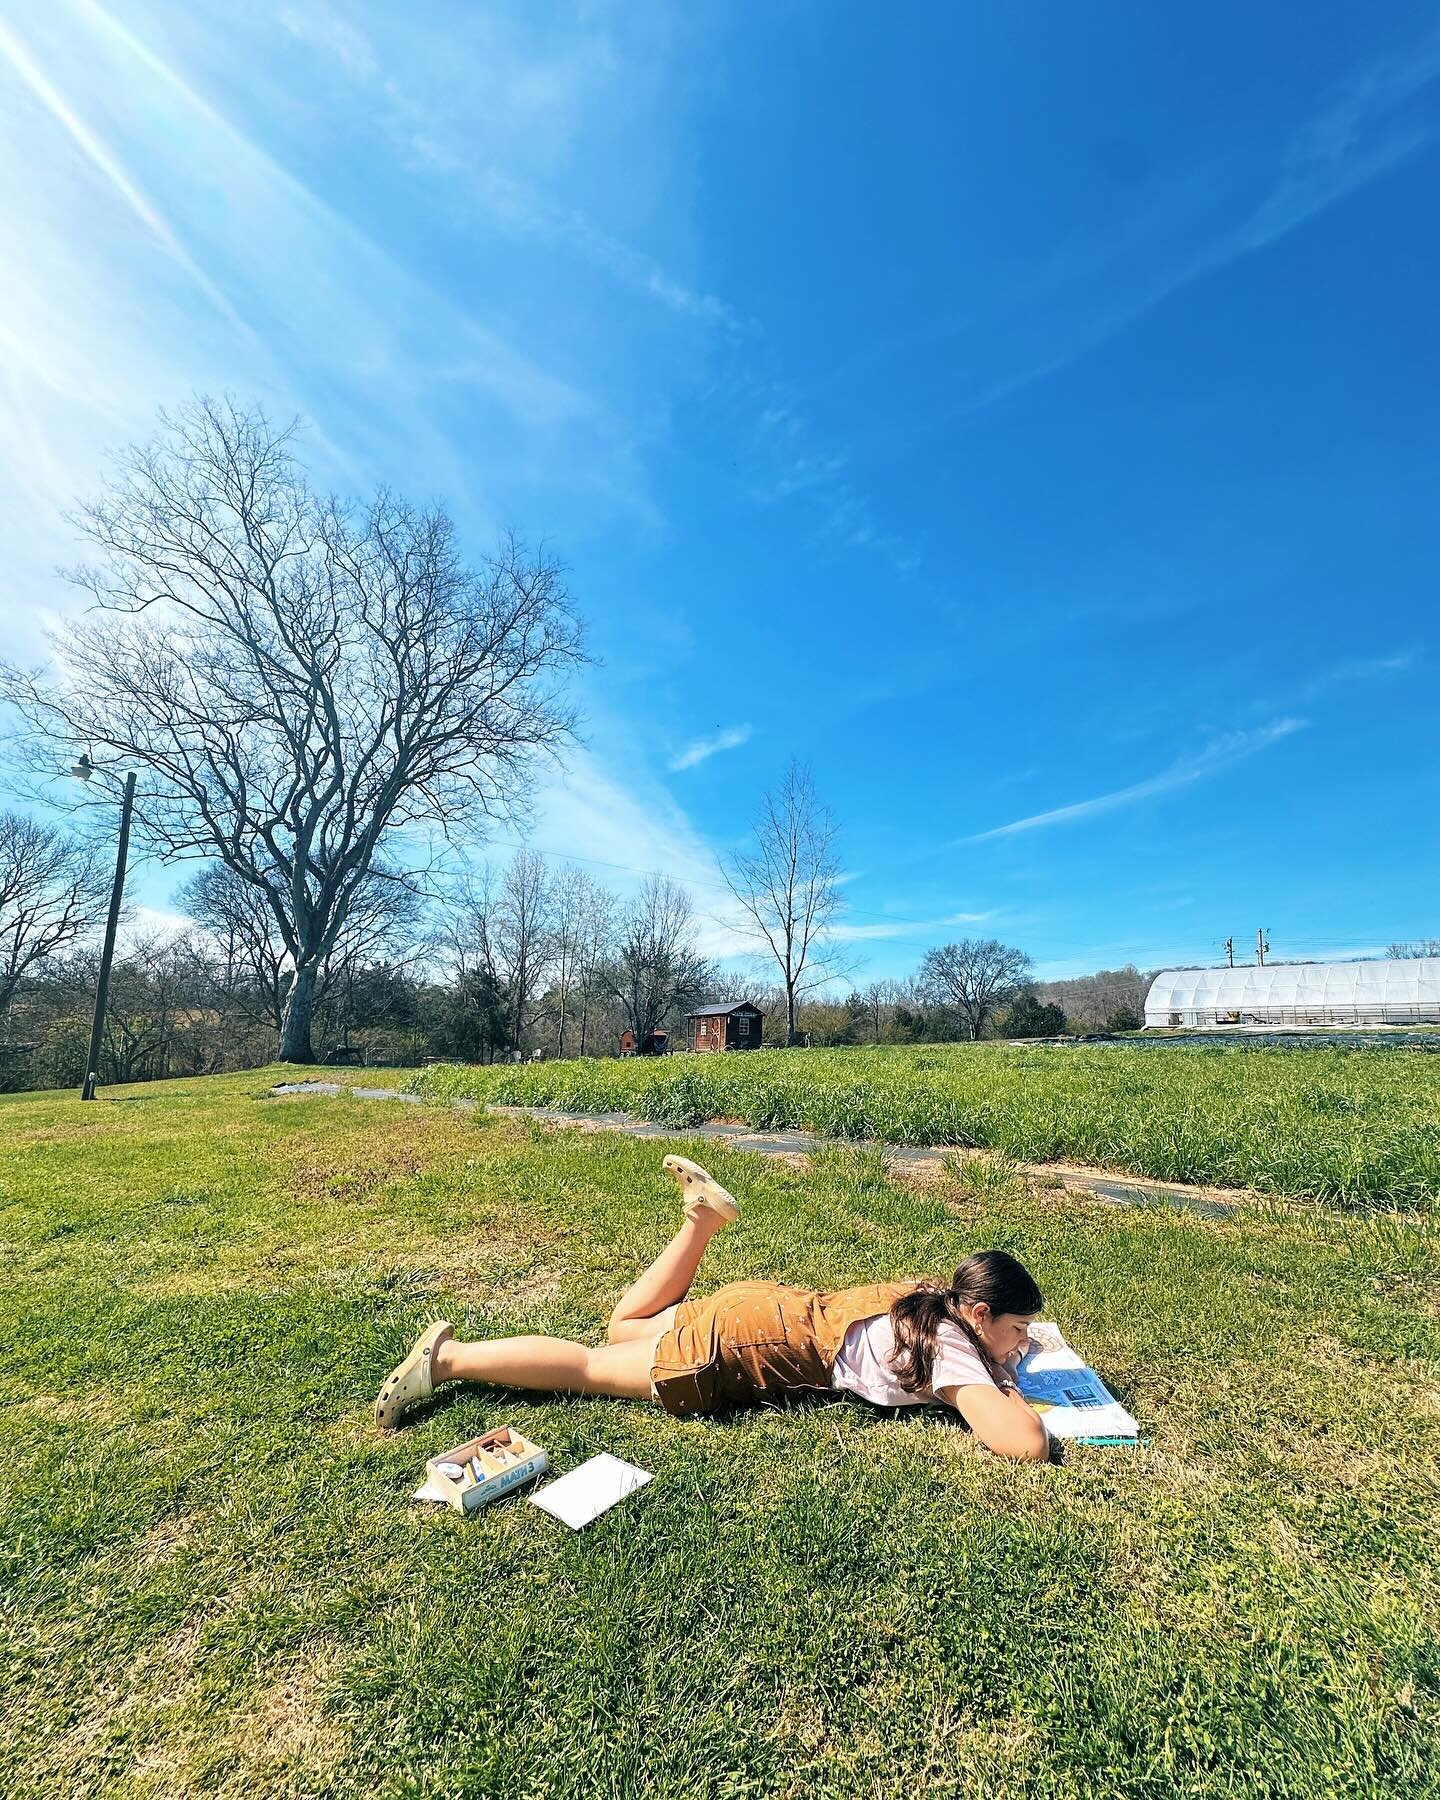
x=666 y=1282
x=621 y=1367
x=552 y=1365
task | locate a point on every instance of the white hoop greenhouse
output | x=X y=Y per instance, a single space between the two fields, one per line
x=1397 y=992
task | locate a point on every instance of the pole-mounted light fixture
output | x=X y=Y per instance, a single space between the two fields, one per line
x=83 y=769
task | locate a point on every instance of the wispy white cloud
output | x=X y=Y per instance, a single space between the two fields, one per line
x=1366 y=669
x=475 y=351
x=525 y=212
x=499 y=146
x=704 y=748
x=334 y=36
x=851 y=933
x=793 y=465
x=1219 y=754
x=448 y=150
x=1340 y=675
x=144 y=924
x=626 y=830
x=93 y=147
x=1361 y=136
x=1087 y=296
x=140 y=191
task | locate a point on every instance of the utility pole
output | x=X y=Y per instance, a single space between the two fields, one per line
x=1230 y=951
x=107 y=956
x=1262 y=947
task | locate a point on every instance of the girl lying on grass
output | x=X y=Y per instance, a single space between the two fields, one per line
x=755 y=1343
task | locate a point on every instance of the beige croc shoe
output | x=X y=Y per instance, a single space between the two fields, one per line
x=410 y=1383
x=700 y=1188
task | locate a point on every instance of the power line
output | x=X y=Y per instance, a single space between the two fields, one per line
x=857 y=912
x=1127 y=947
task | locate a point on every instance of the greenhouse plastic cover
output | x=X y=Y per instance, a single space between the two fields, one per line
x=1411 y=984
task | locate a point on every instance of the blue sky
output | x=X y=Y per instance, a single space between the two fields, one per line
x=1027 y=416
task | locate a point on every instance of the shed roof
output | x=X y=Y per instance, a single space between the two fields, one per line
x=721 y=1007
x=1409 y=981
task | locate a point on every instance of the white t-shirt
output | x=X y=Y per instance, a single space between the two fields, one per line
x=863 y=1366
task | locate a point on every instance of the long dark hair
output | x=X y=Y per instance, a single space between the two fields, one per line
x=994 y=1276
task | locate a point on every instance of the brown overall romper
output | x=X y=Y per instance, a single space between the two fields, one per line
x=759 y=1343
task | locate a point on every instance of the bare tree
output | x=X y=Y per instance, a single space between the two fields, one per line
x=499 y=934
x=52 y=891
x=768 y=995
x=480 y=1005
x=522 y=932
x=595 y=947
x=573 y=901
x=147 y=1006
x=657 y=971
x=298 y=680
x=1417 y=947
x=788 y=887
x=156 y=994
x=975 y=976
x=468 y=923
x=878 y=1002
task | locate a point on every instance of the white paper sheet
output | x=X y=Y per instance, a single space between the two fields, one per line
x=582 y=1495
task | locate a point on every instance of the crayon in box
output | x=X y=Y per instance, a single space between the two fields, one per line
x=485 y=1468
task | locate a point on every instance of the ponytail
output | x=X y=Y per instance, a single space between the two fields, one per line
x=993 y=1276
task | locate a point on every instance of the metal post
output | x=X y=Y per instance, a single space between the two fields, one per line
x=107 y=956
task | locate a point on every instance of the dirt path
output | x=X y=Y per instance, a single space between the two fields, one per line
x=905 y=1159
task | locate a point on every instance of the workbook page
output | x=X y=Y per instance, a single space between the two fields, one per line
x=582 y=1495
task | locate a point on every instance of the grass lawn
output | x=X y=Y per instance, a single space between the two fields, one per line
x=214 y=1583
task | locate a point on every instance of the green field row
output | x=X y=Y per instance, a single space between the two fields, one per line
x=1358 y=1126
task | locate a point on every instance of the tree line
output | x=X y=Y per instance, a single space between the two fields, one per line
x=524 y=957
x=979 y=988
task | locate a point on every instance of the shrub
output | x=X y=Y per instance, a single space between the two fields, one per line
x=1032 y=1018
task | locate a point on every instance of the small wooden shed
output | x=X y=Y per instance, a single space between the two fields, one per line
x=730 y=1025
x=657 y=1043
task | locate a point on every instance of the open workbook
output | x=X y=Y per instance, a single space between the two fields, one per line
x=1070 y=1397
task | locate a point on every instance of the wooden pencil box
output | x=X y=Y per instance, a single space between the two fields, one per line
x=485 y=1468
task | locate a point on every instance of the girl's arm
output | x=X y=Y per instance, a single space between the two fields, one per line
x=1002 y=1421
